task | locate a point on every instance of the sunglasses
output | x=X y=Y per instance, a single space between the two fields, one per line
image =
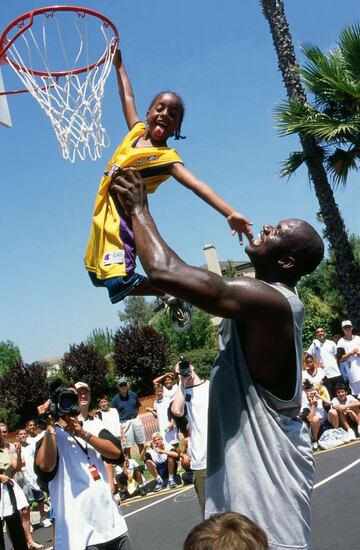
x=122 y=385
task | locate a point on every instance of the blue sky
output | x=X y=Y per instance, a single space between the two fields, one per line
x=219 y=57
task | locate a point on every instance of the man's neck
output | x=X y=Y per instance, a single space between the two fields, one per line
x=84 y=413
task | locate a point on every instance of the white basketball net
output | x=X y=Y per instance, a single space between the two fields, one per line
x=72 y=102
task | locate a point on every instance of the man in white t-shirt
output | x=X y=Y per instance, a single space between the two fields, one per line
x=160 y=459
x=69 y=458
x=350 y=345
x=346 y=408
x=195 y=393
x=169 y=387
x=109 y=416
x=325 y=353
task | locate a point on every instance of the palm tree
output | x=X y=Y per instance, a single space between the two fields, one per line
x=334 y=121
x=348 y=271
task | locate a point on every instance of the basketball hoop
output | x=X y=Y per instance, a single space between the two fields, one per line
x=66 y=75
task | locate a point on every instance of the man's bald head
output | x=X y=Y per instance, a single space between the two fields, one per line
x=286 y=251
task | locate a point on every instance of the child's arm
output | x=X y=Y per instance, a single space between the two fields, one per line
x=125 y=91
x=238 y=223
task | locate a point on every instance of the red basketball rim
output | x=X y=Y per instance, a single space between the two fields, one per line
x=25 y=21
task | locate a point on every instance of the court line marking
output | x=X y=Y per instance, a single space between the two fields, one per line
x=336 y=474
x=172 y=495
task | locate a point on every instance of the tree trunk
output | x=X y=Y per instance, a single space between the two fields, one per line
x=348 y=271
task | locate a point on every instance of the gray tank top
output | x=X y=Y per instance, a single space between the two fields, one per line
x=260 y=461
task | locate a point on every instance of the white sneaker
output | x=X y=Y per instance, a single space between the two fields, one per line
x=45 y=522
x=352 y=435
x=358 y=429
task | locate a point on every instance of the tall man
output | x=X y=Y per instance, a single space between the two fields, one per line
x=325 y=353
x=260 y=460
x=349 y=345
x=127 y=404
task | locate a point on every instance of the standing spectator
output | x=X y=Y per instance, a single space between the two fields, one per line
x=160 y=460
x=195 y=393
x=12 y=498
x=69 y=458
x=325 y=353
x=169 y=387
x=160 y=410
x=350 y=358
x=127 y=404
x=347 y=409
x=109 y=416
x=33 y=432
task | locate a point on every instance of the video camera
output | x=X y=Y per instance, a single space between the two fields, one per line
x=184 y=367
x=64 y=402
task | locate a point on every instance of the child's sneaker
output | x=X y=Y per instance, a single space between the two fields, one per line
x=352 y=435
x=158 y=487
x=181 y=313
x=172 y=484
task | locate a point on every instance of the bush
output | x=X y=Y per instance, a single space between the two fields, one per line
x=82 y=363
x=141 y=354
x=22 y=389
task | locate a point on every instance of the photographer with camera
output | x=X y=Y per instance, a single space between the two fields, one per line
x=70 y=458
x=194 y=392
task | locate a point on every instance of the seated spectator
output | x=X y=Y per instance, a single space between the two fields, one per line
x=312 y=371
x=346 y=409
x=227 y=531
x=126 y=474
x=160 y=460
x=313 y=411
x=160 y=410
x=169 y=387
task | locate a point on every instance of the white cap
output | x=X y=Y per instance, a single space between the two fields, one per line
x=346 y=324
x=80 y=385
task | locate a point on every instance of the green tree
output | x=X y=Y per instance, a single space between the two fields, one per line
x=201 y=334
x=83 y=363
x=9 y=355
x=137 y=311
x=141 y=354
x=22 y=389
x=102 y=340
x=313 y=155
x=324 y=283
x=317 y=314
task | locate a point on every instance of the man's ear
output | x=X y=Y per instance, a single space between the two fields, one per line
x=287 y=262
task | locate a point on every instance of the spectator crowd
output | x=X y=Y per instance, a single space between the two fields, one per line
x=111 y=447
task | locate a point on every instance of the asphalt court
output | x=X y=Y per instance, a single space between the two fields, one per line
x=162 y=520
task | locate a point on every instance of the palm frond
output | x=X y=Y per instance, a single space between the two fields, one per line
x=349 y=42
x=293 y=117
x=291 y=164
x=339 y=165
x=327 y=76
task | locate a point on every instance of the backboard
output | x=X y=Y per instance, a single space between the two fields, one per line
x=5 y=119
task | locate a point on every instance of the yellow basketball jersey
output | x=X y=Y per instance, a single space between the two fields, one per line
x=111 y=247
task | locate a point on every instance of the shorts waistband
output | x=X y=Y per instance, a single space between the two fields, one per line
x=129 y=418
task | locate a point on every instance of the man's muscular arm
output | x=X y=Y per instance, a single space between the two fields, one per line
x=242 y=299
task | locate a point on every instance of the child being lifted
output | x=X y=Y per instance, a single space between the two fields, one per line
x=111 y=254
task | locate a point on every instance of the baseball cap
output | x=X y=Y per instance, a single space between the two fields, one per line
x=80 y=385
x=346 y=324
x=122 y=381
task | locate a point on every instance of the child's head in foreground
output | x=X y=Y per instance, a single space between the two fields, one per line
x=227 y=531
